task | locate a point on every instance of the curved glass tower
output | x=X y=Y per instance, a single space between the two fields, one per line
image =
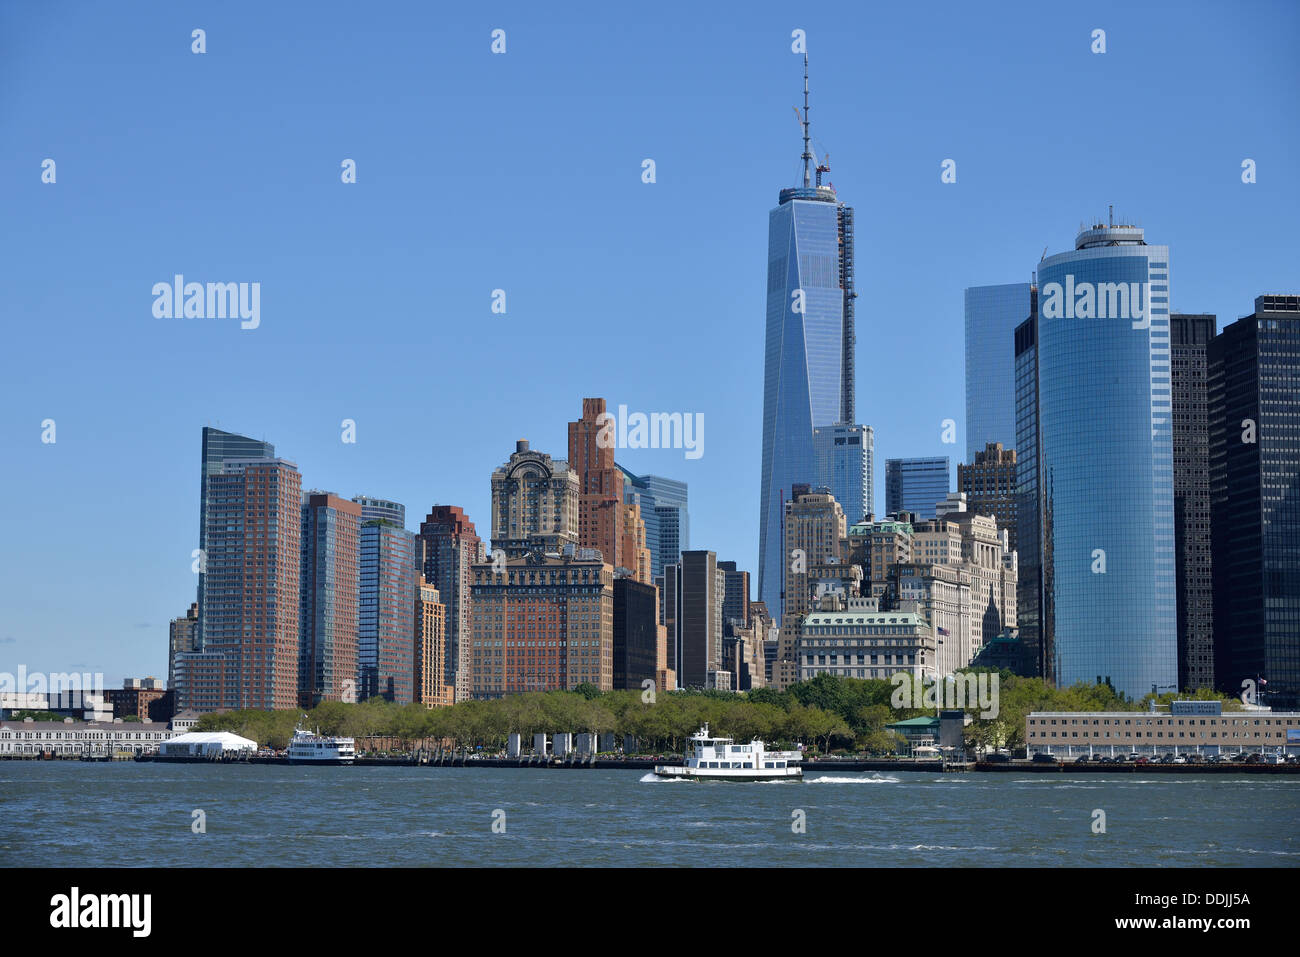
x=1106 y=465
x=808 y=376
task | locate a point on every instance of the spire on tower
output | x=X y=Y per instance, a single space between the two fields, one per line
x=807 y=154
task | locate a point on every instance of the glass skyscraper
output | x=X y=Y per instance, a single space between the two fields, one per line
x=1254 y=440
x=664 y=511
x=808 y=377
x=1032 y=614
x=992 y=314
x=845 y=465
x=1106 y=460
x=917 y=485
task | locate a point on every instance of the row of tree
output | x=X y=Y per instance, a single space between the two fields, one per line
x=826 y=713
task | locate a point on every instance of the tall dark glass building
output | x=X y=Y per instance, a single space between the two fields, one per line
x=1106 y=460
x=1032 y=613
x=808 y=376
x=992 y=314
x=917 y=485
x=1254 y=424
x=1189 y=339
x=218 y=447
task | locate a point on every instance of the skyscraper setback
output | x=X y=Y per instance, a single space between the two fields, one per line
x=808 y=378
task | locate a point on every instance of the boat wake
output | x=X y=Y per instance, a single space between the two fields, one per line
x=651 y=777
x=835 y=779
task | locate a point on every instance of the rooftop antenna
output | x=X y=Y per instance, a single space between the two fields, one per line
x=807 y=156
x=1112 y=215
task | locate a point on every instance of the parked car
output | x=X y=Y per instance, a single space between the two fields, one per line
x=1082 y=759
x=1194 y=759
x=1293 y=759
x=997 y=757
x=1255 y=758
x=1166 y=758
x=1099 y=758
x=1180 y=759
x=1132 y=757
x=1043 y=758
x=1142 y=759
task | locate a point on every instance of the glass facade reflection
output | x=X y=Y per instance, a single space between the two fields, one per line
x=992 y=314
x=1106 y=467
x=808 y=361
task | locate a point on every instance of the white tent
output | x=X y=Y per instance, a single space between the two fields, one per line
x=205 y=744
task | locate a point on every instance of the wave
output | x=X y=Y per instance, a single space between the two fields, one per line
x=836 y=779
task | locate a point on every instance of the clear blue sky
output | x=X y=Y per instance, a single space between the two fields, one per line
x=522 y=172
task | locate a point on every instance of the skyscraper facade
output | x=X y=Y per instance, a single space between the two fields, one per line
x=542 y=622
x=992 y=314
x=846 y=465
x=386 y=621
x=535 y=503
x=814 y=535
x=329 y=595
x=218 y=446
x=916 y=485
x=449 y=549
x=1033 y=613
x=1106 y=468
x=600 y=485
x=694 y=592
x=808 y=378
x=990 y=486
x=431 y=688
x=1254 y=415
x=664 y=510
x=381 y=509
x=1189 y=339
x=249 y=606
x=182 y=639
x=635 y=635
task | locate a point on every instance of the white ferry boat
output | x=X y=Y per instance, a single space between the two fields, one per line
x=314 y=748
x=719 y=759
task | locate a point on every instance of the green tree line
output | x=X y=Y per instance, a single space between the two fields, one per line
x=827 y=713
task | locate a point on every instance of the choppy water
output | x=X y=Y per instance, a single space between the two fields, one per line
x=75 y=814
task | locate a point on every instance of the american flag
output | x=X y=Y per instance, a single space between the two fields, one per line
x=943 y=630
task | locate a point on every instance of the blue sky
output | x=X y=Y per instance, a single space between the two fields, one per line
x=522 y=171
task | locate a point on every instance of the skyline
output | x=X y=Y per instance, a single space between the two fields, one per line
x=129 y=392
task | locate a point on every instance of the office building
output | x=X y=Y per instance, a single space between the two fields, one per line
x=992 y=315
x=1106 y=468
x=1033 y=608
x=1189 y=339
x=851 y=638
x=694 y=591
x=1254 y=415
x=814 y=532
x=635 y=635
x=663 y=504
x=845 y=457
x=735 y=598
x=449 y=549
x=990 y=486
x=916 y=485
x=808 y=374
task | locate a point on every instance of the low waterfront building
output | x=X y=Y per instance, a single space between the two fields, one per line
x=1187 y=726
x=68 y=738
